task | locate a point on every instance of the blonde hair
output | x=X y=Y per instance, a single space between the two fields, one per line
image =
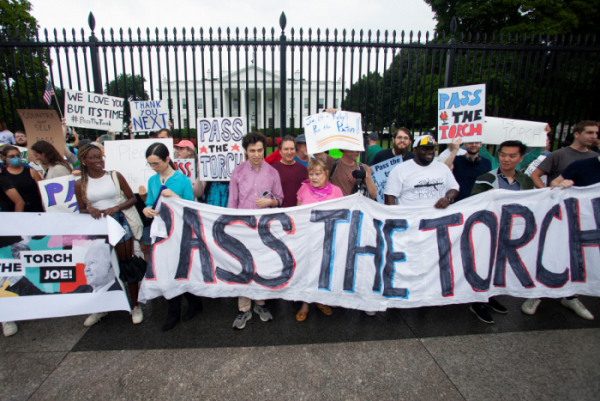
x=313 y=164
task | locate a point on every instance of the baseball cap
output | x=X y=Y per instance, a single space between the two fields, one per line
x=185 y=144
x=373 y=136
x=426 y=140
x=301 y=138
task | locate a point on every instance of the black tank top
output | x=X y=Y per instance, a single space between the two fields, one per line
x=27 y=188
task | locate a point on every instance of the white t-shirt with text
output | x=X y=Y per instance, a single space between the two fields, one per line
x=415 y=185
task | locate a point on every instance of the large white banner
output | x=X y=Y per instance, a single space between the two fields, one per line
x=54 y=265
x=498 y=130
x=149 y=115
x=356 y=253
x=342 y=130
x=461 y=113
x=128 y=157
x=58 y=194
x=380 y=173
x=220 y=148
x=94 y=110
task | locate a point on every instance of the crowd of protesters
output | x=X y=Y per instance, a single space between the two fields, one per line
x=288 y=177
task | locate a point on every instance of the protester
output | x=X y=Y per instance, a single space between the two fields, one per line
x=585 y=134
x=527 y=159
x=374 y=148
x=10 y=200
x=402 y=139
x=6 y=136
x=21 y=138
x=185 y=150
x=510 y=154
x=316 y=189
x=52 y=162
x=301 y=152
x=275 y=156
x=291 y=173
x=164 y=133
x=23 y=179
x=3 y=162
x=350 y=175
x=100 y=194
x=254 y=184
x=468 y=167
x=580 y=173
x=169 y=183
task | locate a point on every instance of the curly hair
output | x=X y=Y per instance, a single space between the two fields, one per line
x=81 y=155
x=51 y=154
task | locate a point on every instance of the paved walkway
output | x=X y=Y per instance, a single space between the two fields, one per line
x=418 y=354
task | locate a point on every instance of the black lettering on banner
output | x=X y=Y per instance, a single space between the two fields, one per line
x=546 y=277
x=578 y=238
x=287 y=259
x=354 y=249
x=441 y=225
x=391 y=258
x=468 y=252
x=330 y=218
x=166 y=214
x=192 y=225
x=507 y=247
x=235 y=248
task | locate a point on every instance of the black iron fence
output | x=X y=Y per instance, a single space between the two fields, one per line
x=275 y=79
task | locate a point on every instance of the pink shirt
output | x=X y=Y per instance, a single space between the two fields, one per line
x=306 y=197
x=248 y=184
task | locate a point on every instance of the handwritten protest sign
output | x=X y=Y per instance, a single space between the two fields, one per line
x=42 y=125
x=461 y=113
x=151 y=115
x=94 y=110
x=498 y=130
x=220 y=148
x=23 y=152
x=129 y=158
x=58 y=194
x=187 y=167
x=342 y=130
x=380 y=173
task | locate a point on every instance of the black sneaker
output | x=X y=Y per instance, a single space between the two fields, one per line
x=496 y=306
x=481 y=312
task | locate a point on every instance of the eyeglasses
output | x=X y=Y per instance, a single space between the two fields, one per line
x=20 y=136
x=155 y=164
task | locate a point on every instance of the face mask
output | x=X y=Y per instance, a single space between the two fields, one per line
x=15 y=161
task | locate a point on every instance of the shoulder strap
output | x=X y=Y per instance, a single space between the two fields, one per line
x=115 y=179
x=335 y=164
x=361 y=166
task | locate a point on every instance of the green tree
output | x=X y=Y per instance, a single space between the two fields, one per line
x=127 y=87
x=22 y=75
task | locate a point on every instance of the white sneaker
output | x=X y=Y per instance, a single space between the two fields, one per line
x=530 y=306
x=94 y=318
x=576 y=305
x=137 y=316
x=9 y=329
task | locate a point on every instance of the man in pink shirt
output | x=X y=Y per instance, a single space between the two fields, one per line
x=254 y=185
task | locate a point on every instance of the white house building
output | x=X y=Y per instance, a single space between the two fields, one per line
x=212 y=98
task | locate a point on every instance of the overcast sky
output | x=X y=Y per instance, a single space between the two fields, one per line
x=358 y=14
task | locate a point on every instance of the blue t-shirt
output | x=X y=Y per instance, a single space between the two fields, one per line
x=466 y=172
x=178 y=183
x=583 y=172
x=305 y=164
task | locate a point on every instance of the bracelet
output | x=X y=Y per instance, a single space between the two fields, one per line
x=450 y=199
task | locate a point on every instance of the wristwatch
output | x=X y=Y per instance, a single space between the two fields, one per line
x=450 y=199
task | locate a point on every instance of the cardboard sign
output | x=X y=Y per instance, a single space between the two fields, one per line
x=42 y=125
x=461 y=113
x=151 y=115
x=342 y=130
x=187 y=167
x=94 y=110
x=498 y=130
x=128 y=157
x=220 y=148
x=58 y=194
x=380 y=173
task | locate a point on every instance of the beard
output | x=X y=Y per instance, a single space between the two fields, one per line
x=398 y=150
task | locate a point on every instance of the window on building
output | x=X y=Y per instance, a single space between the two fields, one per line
x=270 y=104
x=199 y=103
x=184 y=103
x=185 y=123
x=335 y=103
x=215 y=103
x=236 y=104
x=291 y=104
x=321 y=103
x=252 y=105
x=170 y=104
x=306 y=103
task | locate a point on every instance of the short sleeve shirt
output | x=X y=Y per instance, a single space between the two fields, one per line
x=555 y=163
x=583 y=172
x=415 y=185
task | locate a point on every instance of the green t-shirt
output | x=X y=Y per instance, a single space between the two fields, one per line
x=371 y=152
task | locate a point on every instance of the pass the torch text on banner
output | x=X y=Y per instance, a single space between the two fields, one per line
x=128 y=157
x=356 y=253
x=150 y=115
x=380 y=173
x=461 y=113
x=94 y=110
x=498 y=130
x=220 y=148
x=43 y=260
x=58 y=194
x=325 y=131
x=187 y=167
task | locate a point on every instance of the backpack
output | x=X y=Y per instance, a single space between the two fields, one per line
x=359 y=186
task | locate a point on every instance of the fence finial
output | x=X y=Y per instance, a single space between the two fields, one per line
x=453 y=26
x=92 y=22
x=282 y=21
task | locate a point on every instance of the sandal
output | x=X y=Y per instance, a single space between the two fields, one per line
x=301 y=316
x=325 y=309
